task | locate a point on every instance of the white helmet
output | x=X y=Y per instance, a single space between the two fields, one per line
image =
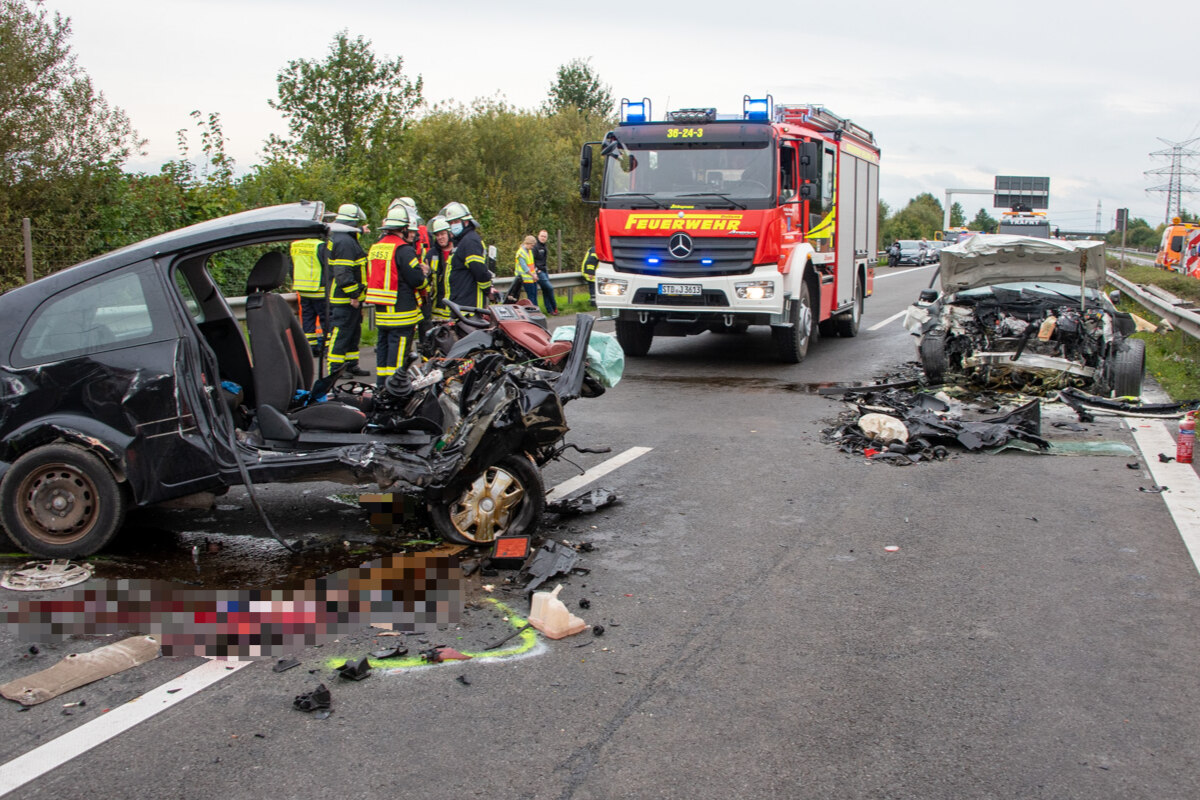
x=350 y=214
x=438 y=224
x=456 y=211
x=397 y=217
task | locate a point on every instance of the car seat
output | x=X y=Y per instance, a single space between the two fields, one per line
x=282 y=361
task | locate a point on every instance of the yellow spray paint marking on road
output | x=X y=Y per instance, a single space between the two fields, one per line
x=523 y=644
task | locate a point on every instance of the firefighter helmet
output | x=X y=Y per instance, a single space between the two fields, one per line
x=438 y=224
x=453 y=212
x=350 y=214
x=397 y=217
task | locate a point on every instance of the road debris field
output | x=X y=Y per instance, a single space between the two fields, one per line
x=763 y=614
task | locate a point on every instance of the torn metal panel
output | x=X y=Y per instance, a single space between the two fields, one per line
x=554 y=558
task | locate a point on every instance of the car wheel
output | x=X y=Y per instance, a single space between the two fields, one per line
x=1127 y=367
x=792 y=342
x=506 y=499
x=61 y=501
x=634 y=337
x=847 y=324
x=933 y=358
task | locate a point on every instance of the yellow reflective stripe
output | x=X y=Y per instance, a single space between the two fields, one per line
x=473 y=260
x=397 y=319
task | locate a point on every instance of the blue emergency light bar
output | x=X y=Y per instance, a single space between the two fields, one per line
x=759 y=109
x=651 y=260
x=635 y=112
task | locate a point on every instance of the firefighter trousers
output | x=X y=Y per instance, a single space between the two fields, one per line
x=345 y=337
x=392 y=350
x=312 y=313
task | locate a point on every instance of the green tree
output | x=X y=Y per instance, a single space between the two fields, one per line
x=577 y=87
x=984 y=222
x=53 y=123
x=343 y=106
x=958 y=217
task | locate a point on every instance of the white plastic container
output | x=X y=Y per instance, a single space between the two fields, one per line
x=548 y=614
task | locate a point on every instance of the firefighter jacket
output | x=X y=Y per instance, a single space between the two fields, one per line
x=348 y=262
x=439 y=279
x=524 y=270
x=469 y=276
x=308 y=267
x=588 y=267
x=394 y=278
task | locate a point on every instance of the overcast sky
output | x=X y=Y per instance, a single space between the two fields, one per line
x=955 y=93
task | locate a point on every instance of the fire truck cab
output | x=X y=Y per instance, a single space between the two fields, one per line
x=716 y=223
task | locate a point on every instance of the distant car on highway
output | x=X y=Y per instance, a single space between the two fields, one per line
x=911 y=253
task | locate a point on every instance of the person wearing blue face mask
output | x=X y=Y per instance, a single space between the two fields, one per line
x=470 y=279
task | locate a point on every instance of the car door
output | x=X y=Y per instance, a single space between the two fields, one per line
x=108 y=359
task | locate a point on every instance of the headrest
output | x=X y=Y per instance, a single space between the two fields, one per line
x=269 y=273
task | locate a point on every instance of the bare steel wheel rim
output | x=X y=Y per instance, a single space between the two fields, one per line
x=488 y=506
x=58 y=504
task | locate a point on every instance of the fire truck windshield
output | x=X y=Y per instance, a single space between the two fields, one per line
x=701 y=177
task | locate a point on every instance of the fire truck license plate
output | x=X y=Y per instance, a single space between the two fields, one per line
x=687 y=289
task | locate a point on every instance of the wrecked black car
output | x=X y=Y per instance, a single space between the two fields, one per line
x=127 y=381
x=1026 y=312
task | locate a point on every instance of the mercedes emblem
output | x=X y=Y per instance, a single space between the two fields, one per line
x=680 y=246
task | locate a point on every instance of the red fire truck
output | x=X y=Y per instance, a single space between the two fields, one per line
x=713 y=223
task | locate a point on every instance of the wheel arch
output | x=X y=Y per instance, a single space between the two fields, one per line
x=110 y=445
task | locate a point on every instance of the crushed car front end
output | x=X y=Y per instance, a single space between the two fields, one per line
x=1026 y=313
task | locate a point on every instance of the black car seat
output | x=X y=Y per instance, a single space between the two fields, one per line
x=282 y=360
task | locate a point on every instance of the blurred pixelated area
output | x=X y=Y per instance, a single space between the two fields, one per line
x=412 y=592
x=389 y=511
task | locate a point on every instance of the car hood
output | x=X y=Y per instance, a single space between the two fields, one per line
x=990 y=259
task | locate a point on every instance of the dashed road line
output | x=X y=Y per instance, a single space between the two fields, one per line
x=600 y=470
x=53 y=754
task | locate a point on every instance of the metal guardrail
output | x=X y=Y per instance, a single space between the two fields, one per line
x=1185 y=319
x=568 y=281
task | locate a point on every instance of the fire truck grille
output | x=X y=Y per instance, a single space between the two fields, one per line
x=728 y=256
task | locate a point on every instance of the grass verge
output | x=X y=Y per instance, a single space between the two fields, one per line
x=1172 y=358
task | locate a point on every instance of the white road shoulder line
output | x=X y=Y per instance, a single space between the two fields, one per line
x=1183 y=486
x=600 y=470
x=890 y=319
x=37 y=762
x=879 y=277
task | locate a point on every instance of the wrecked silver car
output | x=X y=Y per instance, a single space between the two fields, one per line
x=1026 y=312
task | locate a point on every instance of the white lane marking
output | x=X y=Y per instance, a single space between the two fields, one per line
x=599 y=471
x=892 y=318
x=879 y=277
x=37 y=762
x=1183 y=487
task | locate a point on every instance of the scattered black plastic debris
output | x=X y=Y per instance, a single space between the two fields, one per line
x=284 y=664
x=1133 y=465
x=553 y=558
x=597 y=630
x=33 y=650
x=515 y=633
x=586 y=501
x=585 y=603
x=389 y=652
x=1153 y=489
x=464 y=680
x=355 y=670
x=1166 y=459
x=315 y=700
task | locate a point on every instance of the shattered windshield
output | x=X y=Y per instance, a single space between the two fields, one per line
x=667 y=175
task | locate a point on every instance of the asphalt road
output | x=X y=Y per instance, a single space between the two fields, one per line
x=1032 y=636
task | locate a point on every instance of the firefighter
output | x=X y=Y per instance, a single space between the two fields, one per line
x=422 y=243
x=441 y=250
x=524 y=273
x=588 y=268
x=308 y=282
x=470 y=280
x=348 y=263
x=394 y=282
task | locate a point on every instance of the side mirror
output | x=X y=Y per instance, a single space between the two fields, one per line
x=585 y=171
x=808 y=191
x=928 y=296
x=1114 y=296
x=810 y=161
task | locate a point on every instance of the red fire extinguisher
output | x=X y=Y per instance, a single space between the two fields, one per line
x=1187 y=438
